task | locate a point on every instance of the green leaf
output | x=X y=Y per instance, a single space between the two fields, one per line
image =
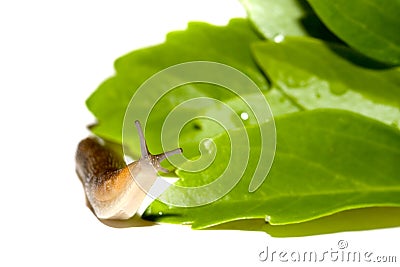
x=200 y=41
x=277 y=101
x=286 y=17
x=349 y=220
x=369 y=26
x=317 y=74
x=326 y=161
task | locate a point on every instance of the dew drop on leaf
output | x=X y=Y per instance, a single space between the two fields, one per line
x=244 y=116
x=278 y=38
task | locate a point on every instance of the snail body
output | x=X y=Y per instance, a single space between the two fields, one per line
x=111 y=186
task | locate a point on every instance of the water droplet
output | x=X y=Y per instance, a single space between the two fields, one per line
x=244 y=116
x=278 y=38
x=208 y=144
x=160 y=213
x=267 y=218
x=338 y=90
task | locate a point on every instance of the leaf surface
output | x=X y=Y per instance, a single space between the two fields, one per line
x=369 y=26
x=354 y=164
x=286 y=17
x=318 y=74
x=229 y=45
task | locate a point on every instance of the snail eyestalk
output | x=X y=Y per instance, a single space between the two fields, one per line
x=143 y=144
x=154 y=159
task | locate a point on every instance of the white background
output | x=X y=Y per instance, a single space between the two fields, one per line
x=53 y=54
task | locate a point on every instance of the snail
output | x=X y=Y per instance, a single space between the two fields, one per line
x=110 y=185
